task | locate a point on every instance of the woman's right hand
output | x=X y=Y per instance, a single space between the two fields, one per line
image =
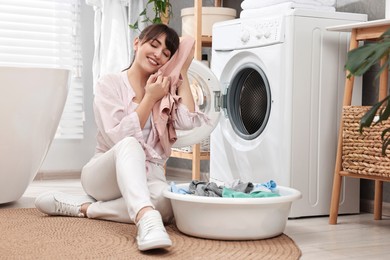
x=157 y=87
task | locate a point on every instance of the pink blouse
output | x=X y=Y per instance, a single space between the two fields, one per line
x=116 y=117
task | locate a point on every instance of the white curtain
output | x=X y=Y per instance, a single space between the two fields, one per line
x=112 y=34
x=135 y=8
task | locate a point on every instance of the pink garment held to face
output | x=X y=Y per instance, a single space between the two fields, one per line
x=164 y=111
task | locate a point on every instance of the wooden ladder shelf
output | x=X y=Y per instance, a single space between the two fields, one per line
x=200 y=41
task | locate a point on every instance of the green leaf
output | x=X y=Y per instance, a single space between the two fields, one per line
x=382 y=68
x=385 y=141
x=159 y=8
x=384 y=132
x=357 y=62
x=143 y=13
x=157 y=20
x=369 y=116
x=385 y=110
x=361 y=59
x=134 y=26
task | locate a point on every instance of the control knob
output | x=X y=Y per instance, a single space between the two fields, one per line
x=245 y=36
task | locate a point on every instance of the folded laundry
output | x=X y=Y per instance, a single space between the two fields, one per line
x=252 y=4
x=279 y=8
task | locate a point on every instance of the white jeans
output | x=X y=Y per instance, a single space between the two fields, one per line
x=123 y=183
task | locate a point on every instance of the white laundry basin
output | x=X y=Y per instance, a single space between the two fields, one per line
x=232 y=218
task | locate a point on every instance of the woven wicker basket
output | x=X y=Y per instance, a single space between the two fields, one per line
x=362 y=152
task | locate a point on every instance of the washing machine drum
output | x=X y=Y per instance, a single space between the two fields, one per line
x=205 y=88
x=247 y=102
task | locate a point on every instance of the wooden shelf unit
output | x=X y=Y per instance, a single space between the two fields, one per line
x=370 y=30
x=200 y=41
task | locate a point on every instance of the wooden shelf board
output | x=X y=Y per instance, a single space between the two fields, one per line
x=189 y=156
x=363 y=176
x=206 y=41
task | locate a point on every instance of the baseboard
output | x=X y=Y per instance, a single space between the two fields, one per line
x=172 y=174
x=57 y=175
x=186 y=174
x=368 y=206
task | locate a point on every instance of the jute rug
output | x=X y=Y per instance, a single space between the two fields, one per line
x=29 y=234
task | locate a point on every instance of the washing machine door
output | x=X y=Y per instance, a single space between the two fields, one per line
x=247 y=101
x=206 y=89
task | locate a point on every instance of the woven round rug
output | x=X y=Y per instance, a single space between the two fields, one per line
x=29 y=234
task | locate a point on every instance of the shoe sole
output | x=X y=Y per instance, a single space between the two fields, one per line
x=160 y=243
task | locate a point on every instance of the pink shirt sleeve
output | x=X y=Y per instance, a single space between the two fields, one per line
x=186 y=120
x=114 y=112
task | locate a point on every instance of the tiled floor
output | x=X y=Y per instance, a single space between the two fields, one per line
x=354 y=237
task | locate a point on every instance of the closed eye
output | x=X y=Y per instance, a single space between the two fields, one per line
x=156 y=43
x=167 y=54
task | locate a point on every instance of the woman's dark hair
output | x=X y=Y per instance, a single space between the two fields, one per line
x=153 y=31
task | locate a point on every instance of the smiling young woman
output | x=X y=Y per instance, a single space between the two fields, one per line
x=125 y=179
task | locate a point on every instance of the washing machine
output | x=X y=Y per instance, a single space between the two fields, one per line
x=282 y=78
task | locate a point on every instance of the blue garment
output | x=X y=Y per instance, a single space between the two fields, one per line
x=270 y=185
x=178 y=190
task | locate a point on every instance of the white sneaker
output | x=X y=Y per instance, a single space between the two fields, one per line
x=57 y=203
x=151 y=232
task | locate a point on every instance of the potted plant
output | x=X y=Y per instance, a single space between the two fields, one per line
x=162 y=11
x=359 y=61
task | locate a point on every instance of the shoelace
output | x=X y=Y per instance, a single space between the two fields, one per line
x=68 y=209
x=149 y=224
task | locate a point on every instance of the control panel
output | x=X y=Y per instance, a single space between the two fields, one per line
x=259 y=32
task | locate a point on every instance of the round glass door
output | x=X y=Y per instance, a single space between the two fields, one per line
x=248 y=101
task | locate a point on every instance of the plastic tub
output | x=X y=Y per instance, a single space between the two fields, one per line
x=232 y=218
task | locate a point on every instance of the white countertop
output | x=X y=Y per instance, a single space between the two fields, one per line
x=349 y=27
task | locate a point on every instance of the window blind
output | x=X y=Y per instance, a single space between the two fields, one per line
x=46 y=33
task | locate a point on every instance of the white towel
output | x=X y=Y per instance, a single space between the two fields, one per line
x=280 y=8
x=252 y=4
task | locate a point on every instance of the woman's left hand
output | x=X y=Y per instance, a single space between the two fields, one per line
x=157 y=87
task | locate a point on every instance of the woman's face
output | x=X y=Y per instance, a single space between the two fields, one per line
x=152 y=55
